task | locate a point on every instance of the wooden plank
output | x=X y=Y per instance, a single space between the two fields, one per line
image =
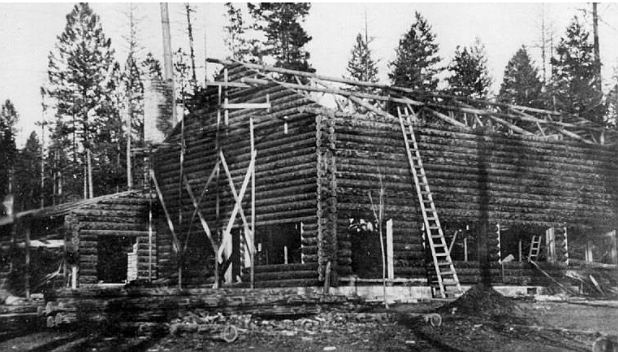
x=237 y=206
x=227 y=84
x=170 y=224
x=245 y=106
x=205 y=226
x=389 y=249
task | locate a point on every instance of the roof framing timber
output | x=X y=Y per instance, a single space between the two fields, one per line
x=462 y=112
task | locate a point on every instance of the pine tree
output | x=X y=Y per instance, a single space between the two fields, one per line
x=416 y=62
x=612 y=102
x=521 y=84
x=151 y=67
x=285 y=37
x=574 y=84
x=79 y=70
x=470 y=74
x=131 y=97
x=28 y=175
x=234 y=33
x=361 y=66
x=8 y=149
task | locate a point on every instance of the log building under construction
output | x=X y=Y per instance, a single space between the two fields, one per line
x=289 y=179
x=334 y=171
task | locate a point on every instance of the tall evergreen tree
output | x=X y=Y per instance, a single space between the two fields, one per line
x=416 y=61
x=521 y=84
x=285 y=37
x=235 y=30
x=8 y=149
x=470 y=76
x=28 y=175
x=612 y=102
x=361 y=67
x=79 y=71
x=574 y=87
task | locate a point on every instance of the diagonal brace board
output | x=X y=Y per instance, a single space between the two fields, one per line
x=237 y=206
x=196 y=205
x=170 y=223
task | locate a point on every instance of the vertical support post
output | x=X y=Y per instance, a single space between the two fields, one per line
x=226 y=112
x=614 y=250
x=89 y=164
x=27 y=261
x=150 y=216
x=566 y=245
x=519 y=249
x=499 y=233
x=466 y=249
x=588 y=254
x=252 y=234
x=389 y=250
x=550 y=239
x=129 y=136
x=74 y=277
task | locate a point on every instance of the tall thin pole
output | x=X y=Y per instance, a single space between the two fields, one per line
x=252 y=249
x=167 y=54
x=42 y=205
x=597 y=51
x=27 y=261
x=205 y=49
x=543 y=44
x=191 y=46
x=89 y=165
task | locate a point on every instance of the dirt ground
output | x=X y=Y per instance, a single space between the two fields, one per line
x=478 y=321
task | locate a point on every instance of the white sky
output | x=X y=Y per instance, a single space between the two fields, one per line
x=28 y=32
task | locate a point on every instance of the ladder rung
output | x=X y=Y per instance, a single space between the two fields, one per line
x=441 y=254
x=450 y=283
x=447 y=272
x=444 y=263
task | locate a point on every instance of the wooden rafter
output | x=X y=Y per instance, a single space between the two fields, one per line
x=463 y=111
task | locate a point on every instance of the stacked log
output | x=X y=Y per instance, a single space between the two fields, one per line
x=474 y=176
x=327 y=194
x=137 y=306
x=527 y=181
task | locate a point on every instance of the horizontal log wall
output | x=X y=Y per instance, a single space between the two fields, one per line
x=125 y=216
x=474 y=176
x=286 y=176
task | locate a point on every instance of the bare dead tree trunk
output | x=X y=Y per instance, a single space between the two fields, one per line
x=191 y=46
x=597 y=51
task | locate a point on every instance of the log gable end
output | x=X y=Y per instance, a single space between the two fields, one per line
x=286 y=176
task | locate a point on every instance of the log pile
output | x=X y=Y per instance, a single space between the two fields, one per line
x=205 y=311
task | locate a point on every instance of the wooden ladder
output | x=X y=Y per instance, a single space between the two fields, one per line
x=441 y=258
x=535 y=247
